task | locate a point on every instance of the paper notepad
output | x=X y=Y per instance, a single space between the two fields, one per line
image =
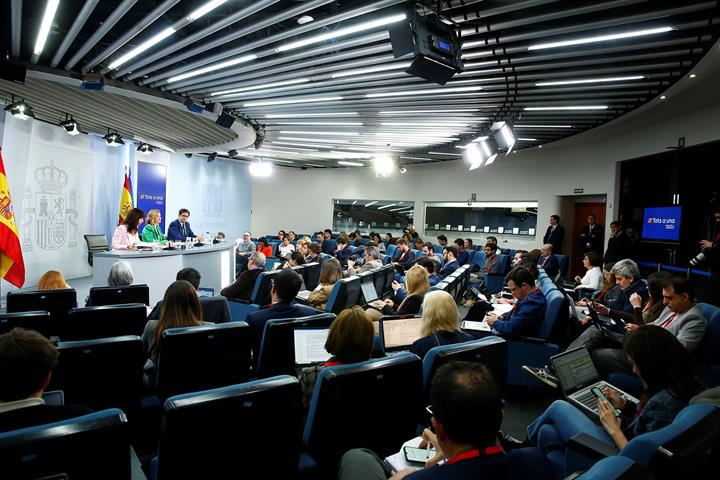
x=397 y=461
x=481 y=326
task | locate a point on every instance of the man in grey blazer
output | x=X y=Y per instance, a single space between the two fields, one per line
x=681 y=317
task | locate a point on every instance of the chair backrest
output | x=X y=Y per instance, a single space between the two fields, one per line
x=690 y=444
x=504 y=263
x=345 y=293
x=37 y=320
x=262 y=291
x=616 y=467
x=563 y=262
x=202 y=357
x=478 y=258
x=553 y=310
x=84 y=448
x=311 y=275
x=101 y=373
x=118 y=295
x=103 y=322
x=96 y=243
x=352 y=403
x=215 y=309
x=277 y=347
x=56 y=302
x=390 y=251
x=439 y=249
x=490 y=351
x=379 y=280
x=200 y=431
x=389 y=277
x=709 y=351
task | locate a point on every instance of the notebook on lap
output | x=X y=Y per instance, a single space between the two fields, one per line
x=578 y=376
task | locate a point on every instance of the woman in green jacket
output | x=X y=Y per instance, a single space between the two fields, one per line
x=152 y=233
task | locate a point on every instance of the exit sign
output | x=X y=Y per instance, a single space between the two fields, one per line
x=578 y=190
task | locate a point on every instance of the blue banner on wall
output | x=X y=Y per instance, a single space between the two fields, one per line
x=151 y=187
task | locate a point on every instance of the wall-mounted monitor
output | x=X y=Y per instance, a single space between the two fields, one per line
x=662 y=223
x=369 y=215
x=506 y=218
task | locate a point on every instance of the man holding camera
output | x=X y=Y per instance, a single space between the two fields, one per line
x=711 y=250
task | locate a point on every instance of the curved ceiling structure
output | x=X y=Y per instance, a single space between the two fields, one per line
x=329 y=89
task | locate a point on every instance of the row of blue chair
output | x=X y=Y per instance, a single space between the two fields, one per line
x=456 y=284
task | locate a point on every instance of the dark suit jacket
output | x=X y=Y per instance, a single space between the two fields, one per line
x=594 y=239
x=555 y=238
x=174 y=232
x=243 y=286
x=215 y=309
x=406 y=260
x=343 y=256
x=618 y=248
x=39 y=415
x=257 y=320
x=326 y=247
x=551 y=265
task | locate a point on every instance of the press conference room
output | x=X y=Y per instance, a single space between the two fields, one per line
x=350 y=239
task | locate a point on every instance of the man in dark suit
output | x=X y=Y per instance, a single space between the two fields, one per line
x=285 y=288
x=327 y=246
x=466 y=409
x=406 y=258
x=618 y=244
x=245 y=282
x=26 y=363
x=555 y=234
x=591 y=236
x=548 y=261
x=179 y=229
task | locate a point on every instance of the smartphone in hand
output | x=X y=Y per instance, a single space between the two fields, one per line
x=418 y=456
x=602 y=398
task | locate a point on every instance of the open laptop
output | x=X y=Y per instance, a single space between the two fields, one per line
x=578 y=376
x=310 y=346
x=303 y=295
x=206 y=292
x=397 y=334
x=369 y=292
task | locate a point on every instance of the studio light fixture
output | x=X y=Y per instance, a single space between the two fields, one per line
x=70 y=125
x=503 y=136
x=479 y=154
x=260 y=168
x=113 y=138
x=403 y=170
x=145 y=149
x=19 y=109
x=305 y=19
x=211 y=157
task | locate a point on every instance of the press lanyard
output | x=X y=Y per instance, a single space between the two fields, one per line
x=494 y=450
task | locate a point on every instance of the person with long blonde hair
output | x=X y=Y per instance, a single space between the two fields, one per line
x=440 y=323
x=52 y=280
x=152 y=232
x=416 y=280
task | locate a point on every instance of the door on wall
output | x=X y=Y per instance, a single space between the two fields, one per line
x=580 y=214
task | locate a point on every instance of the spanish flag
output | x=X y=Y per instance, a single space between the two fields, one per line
x=125 y=200
x=12 y=266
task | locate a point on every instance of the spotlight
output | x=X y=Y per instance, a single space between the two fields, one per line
x=384 y=166
x=211 y=157
x=70 y=125
x=188 y=155
x=503 y=136
x=233 y=153
x=260 y=169
x=145 y=149
x=113 y=139
x=403 y=170
x=20 y=110
x=479 y=154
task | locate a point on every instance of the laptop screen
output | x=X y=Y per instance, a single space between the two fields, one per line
x=310 y=345
x=400 y=333
x=369 y=292
x=575 y=369
x=206 y=292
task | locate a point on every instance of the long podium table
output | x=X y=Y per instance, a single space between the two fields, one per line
x=157 y=269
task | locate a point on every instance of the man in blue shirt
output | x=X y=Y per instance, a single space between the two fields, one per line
x=529 y=310
x=179 y=229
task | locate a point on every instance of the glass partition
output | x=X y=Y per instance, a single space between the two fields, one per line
x=505 y=218
x=368 y=215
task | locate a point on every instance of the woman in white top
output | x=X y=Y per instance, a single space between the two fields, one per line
x=126 y=234
x=286 y=248
x=591 y=279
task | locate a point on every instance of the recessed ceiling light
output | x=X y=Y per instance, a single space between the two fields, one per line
x=693 y=75
x=305 y=19
x=663 y=97
x=50 y=9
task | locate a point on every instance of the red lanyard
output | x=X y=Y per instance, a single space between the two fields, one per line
x=495 y=449
x=492 y=260
x=672 y=317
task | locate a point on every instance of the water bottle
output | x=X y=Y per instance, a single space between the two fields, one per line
x=188 y=243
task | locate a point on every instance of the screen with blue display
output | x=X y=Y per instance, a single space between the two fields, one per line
x=661 y=223
x=444 y=46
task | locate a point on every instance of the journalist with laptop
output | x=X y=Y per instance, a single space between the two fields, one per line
x=662 y=363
